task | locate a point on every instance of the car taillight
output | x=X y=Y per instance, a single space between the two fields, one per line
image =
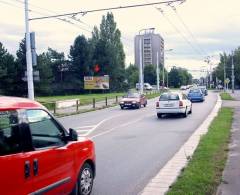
x=180 y=104
x=157 y=104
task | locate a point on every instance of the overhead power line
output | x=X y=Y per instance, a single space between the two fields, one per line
x=44 y=14
x=108 y=9
x=188 y=30
x=179 y=32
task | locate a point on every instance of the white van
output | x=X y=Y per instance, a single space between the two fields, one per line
x=146 y=86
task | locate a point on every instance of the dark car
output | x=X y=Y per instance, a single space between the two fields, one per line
x=196 y=95
x=204 y=90
x=133 y=100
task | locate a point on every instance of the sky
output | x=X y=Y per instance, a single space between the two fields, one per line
x=197 y=29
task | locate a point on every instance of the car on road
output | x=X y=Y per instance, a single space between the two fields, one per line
x=146 y=86
x=196 y=95
x=183 y=87
x=204 y=90
x=38 y=155
x=173 y=103
x=133 y=100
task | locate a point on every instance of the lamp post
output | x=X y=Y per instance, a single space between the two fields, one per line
x=163 y=52
x=28 y=55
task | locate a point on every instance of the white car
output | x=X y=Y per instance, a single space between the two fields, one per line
x=173 y=103
x=146 y=86
x=183 y=87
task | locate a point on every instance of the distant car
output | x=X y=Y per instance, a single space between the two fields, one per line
x=173 y=103
x=38 y=155
x=196 y=95
x=133 y=100
x=146 y=86
x=204 y=90
x=183 y=87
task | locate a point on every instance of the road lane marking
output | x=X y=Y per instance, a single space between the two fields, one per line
x=123 y=125
x=159 y=185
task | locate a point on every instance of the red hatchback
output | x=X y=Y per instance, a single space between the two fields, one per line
x=38 y=156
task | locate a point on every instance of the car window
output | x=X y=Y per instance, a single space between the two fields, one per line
x=169 y=97
x=133 y=95
x=44 y=131
x=10 y=138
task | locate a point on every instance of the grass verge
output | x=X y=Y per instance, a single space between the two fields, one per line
x=204 y=171
x=226 y=96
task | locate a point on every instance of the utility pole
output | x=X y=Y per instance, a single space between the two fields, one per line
x=157 y=72
x=28 y=55
x=233 y=74
x=140 y=66
x=163 y=74
x=224 y=73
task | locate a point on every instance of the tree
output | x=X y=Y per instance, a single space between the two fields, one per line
x=150 y=74
x=44 y=66
x=109 y=53
x=7 y=72
x=132 y=75
x=20 y=86
x=178 y=77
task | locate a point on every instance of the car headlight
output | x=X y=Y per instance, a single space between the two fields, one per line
x=134 y=102
x=121 y=102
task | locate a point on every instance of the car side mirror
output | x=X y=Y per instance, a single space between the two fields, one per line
x=73 y=136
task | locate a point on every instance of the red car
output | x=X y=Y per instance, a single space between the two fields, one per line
x=133 y=100
x=38 y=156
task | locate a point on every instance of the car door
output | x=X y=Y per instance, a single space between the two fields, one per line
x=52 y=159
x=15 y=168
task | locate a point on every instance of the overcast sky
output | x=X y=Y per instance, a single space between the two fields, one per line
x=214 y=25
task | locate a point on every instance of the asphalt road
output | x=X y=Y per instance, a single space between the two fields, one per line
x=133 y=145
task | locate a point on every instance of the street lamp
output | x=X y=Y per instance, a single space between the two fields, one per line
x=28 y=55
x=141 y=58
x=163 y=52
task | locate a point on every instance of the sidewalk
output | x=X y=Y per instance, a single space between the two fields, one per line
x=231 y=176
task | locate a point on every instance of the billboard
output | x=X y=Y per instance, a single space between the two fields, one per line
x=96 y=82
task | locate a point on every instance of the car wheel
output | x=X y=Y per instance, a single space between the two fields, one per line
x=190 y=112
x=85 y=181
x=185 y=114
x=159 y=115
x=122 y=107
x=145 y=104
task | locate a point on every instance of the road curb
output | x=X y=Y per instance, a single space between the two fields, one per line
x=160 y=184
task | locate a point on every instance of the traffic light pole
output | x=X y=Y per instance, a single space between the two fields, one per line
x=28 y=55
x=140 y=67
x=157 y=73
x=224 y=74
x=233 y=77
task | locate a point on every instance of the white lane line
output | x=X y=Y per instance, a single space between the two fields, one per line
x=90 y=128
x=123 y=125
x=160 y=184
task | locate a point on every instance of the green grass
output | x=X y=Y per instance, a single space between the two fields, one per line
x=204 y=171
x=49 y=101
x=226 y=96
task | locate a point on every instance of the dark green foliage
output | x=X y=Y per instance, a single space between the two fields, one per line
x=150 y=74
x=219 y=70
x=178 y=77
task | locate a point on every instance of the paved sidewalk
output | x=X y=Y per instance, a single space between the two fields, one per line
x=231 y=176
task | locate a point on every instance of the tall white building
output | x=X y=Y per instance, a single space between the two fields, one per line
x=151 y=45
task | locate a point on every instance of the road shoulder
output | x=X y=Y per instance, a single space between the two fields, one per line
x=168 y=174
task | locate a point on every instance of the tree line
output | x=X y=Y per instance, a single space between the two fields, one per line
x=101 y=54
x=61 y=75
x=218 y=73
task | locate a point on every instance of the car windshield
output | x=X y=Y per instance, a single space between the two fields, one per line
x=133 y=95
x=168 y=97
x=194 y=91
